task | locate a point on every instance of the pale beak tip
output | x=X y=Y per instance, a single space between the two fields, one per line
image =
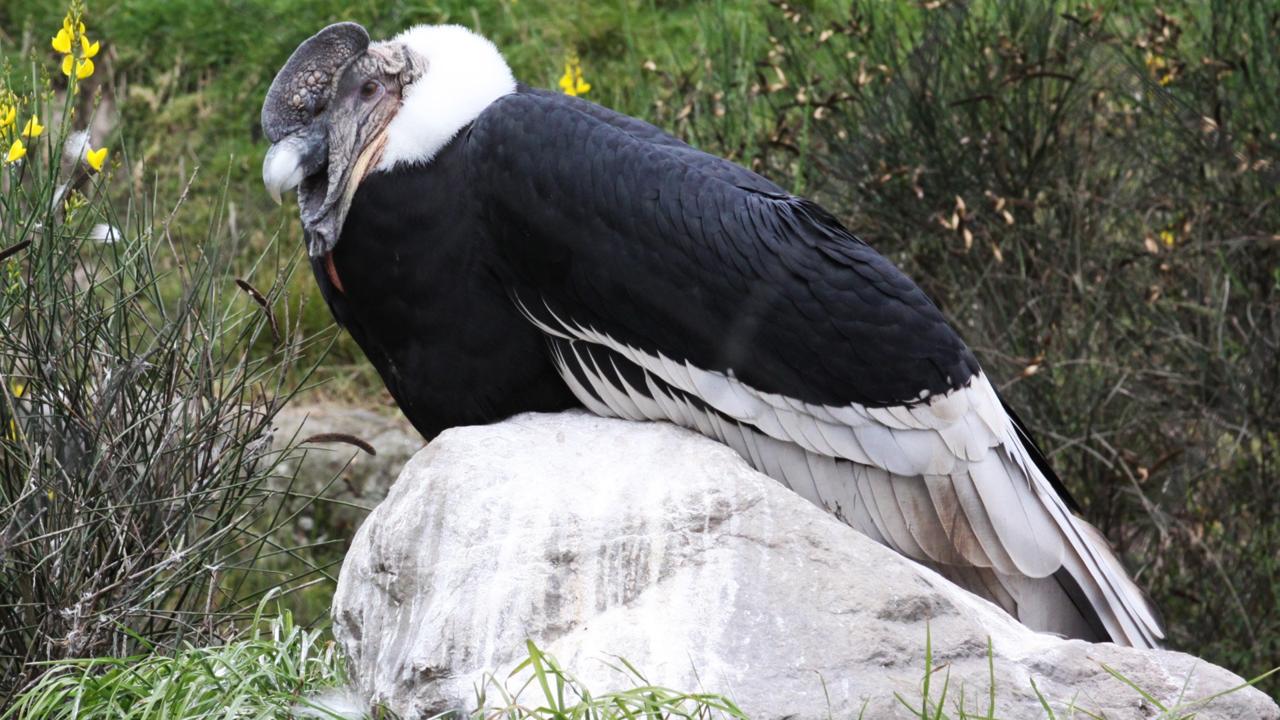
x=281 y=170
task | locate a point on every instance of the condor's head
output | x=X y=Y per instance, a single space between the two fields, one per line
x=342 y=108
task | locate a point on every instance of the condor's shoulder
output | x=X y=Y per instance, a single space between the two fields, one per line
x=531 y=126
x=609 y=223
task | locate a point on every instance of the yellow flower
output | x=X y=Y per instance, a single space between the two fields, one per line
x=33 y=128
x=8 y=114
x=69 y=24
x=62 y=41
x=18 y=390
x=1160 y=68
x=83 y=68
x=17 y=151
x=1166 y=237
x=571 y=82
x=95 y=158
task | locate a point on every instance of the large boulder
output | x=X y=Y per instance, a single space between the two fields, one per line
x=602 y=538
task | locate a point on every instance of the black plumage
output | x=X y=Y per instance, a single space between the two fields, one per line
x=448 y=343
x=506 y=208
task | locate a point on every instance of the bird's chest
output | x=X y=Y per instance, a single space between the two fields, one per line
x=413 y=294
x=413 y=283
x=408 y=262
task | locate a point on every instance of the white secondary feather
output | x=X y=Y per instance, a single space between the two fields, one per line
x=945 y=480
x=465 y=74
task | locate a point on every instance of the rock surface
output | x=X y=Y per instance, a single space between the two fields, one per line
x=599 y=538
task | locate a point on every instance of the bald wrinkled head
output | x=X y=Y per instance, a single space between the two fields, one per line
x=302 y=88
x=343 y=107
x=326 y=115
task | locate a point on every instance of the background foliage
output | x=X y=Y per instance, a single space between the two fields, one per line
x=140 y=490
x=1090 y=190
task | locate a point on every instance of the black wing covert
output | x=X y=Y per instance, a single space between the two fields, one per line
x=672 y=249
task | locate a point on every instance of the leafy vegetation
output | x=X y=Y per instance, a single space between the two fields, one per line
x=281 y=670
x=269 y=673
x=138 y=481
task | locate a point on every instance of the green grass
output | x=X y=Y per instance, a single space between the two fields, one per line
x=540 y=689
x=268 y=674
x=283 y=670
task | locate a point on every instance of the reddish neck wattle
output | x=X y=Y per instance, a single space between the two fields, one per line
x=332 y=272
x=365 y=164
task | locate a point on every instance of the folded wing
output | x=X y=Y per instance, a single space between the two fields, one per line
x=673 y=285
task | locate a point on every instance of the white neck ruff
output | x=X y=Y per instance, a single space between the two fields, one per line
x=465 y=73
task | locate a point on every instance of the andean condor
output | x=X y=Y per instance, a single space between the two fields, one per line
x=496 y=248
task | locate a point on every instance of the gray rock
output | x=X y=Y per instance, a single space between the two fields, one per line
x=599 y=538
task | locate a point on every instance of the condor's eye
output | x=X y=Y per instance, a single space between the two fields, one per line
x=369 y=89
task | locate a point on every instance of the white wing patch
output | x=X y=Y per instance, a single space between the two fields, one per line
x=945 y=481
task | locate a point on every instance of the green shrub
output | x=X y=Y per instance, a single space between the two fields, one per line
x=137 y=476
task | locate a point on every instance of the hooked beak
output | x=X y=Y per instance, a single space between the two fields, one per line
x=292 y=159
x=325 y=184
x=281 y=170
x=301 y=161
